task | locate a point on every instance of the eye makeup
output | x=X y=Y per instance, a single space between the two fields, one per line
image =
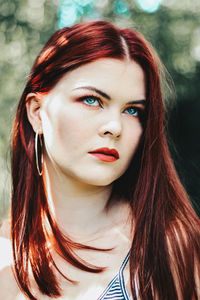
x=90 y=88
x=90 y=100
x=104 y=95
x=93 y=100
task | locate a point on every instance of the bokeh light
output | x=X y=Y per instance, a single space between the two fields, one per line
x=68 y=13
x=149 y=6
x=71 y=10
x=121 y=8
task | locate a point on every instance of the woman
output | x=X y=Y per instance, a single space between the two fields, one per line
x=95 y=197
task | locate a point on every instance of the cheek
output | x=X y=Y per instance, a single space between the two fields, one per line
x=133 y=137
x=71 y=130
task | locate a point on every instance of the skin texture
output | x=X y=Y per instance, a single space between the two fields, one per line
x=79 y=184
x=71 y=128
x=72 y=195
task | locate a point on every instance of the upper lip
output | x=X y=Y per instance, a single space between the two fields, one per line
x=106 y=151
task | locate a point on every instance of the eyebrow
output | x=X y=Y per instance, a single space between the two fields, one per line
x=91 y=88
x=103 y=94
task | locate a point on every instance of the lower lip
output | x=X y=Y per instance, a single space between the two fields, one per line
x=104 y=157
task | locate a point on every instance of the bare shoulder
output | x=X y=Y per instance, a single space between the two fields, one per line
x=5 y=245
x=5 y=228
x=8 y=286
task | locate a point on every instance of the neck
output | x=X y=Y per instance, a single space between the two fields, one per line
x=79 y=209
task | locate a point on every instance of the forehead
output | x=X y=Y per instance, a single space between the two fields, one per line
x=113 y=76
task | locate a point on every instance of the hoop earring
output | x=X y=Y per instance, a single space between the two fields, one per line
x=36 y=153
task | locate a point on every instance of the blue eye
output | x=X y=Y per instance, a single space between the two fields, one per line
x=132 y=111
x=93 y=101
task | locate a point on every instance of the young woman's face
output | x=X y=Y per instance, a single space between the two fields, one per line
x=91 y=120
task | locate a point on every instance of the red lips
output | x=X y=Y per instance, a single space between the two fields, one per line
x=105 y=154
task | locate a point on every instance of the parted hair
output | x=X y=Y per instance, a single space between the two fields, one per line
x=166 y=241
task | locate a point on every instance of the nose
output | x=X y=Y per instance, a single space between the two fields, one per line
x=111 y=128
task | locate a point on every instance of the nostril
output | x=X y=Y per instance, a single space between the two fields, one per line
x=111 y=133
x=112 y=128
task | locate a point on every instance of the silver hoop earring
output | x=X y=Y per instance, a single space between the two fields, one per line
x=36 y=153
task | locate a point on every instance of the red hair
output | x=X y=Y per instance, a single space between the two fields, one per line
x=167 y=230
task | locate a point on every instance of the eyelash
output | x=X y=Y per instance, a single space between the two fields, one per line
x=138 y=110
x=84 y=98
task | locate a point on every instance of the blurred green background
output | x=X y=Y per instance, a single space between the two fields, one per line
x=172 y=26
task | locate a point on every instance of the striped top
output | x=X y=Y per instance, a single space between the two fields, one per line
x=116 y=289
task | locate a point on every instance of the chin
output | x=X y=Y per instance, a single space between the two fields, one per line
x=94 y=178
x=100 y=181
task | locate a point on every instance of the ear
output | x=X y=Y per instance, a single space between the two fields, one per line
x=33 y=105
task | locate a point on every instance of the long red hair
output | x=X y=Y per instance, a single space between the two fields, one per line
x=166 y=242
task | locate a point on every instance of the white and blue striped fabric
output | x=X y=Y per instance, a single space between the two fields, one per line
x=116 y=289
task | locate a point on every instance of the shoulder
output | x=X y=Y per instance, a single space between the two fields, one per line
x=5 y=245
x=8 y=286
x=5 y=228
x=7 y=282
x=183 y=242
x=5 y=252
x=185 y=235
